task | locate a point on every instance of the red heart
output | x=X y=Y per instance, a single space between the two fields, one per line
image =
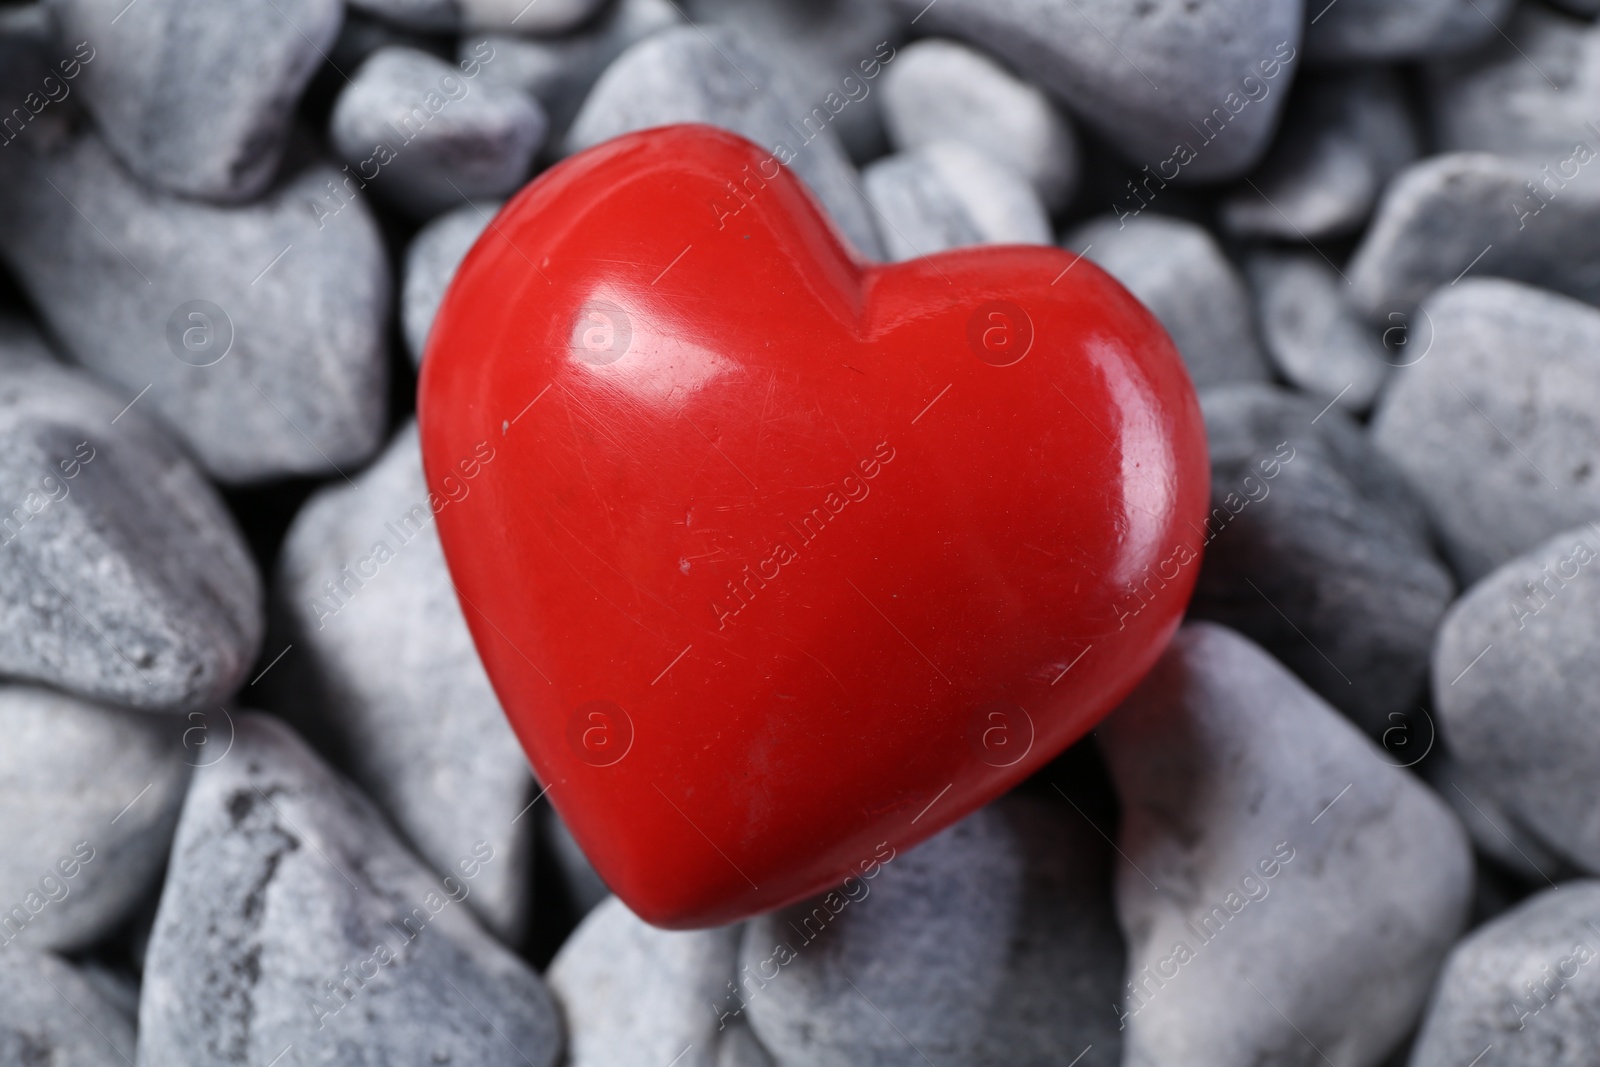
x=780 y=561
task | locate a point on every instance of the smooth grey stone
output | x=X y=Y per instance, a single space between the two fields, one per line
x=740 y=1047
x=1317 y=549
x=991 y=943
x=1178 y=271
x=1147 y=77
x=116 y=270
x=1317 y=341
x=634 y=994
x=125 y=580
x=947 y=195
x=1535 y=91
x=699 y=74
x=52 y=1015
x=1313 y=886
x=1344 y=136
x=940 y=90
x=825 y=48
x=1514 y=680
x=1471 y=214
x=560 y=71
x=431 y=261
x=1365 y=31
x=89 y=797
x=1586 y=8
x=1495 y=832
x=1522 y=985
x=426 y=137
x=195 y=99
x=1497 y=426
x=446 y=16
x=293 y=917
x=390 y=681
x=28 y=54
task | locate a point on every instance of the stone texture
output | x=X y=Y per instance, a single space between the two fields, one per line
x=699 y=74
x=386 y=677
x=431 y=261
x=1364 y=31
x=634 y=994
x=426 y=135
x=940 y=90
x=445 y=16
x=292 y=917
x=1523 y=984
x=1515 y=685
x=1344 y=136
x=1289 y=894
x=1177 y=270
x=125 y=579
x=89 y=797
x=116 y=270
x=991 y=943
x=1470 y=213
x=559 y=72
x=1317 y=549
x=1533 y=92
x=1495 y=832
x=52 y=1016
x=819 y=46
x=1317 y=341
x=1496 y=426
x=192 y=102
x=947 y=195
x=1146 y=76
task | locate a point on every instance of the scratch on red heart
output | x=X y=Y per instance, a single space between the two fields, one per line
x=809 y=528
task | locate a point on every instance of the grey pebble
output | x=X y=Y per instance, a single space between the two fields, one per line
x=87 y=812
x=1288 y=894
x=192 y=101
x=1470 y=214
x=426 y=136
x=125 y=580
x=713 y=75
x=1535 y=91
x=430 y=265
x=992 y=943
x=560 y=71
x=818 y=46
x=1316 y=339
x=387 y=676
x=1147 y=77
x=446 y=16
x=1365 y=31
x=634 y=994
x=256 y=333
x=1318 y=550
x=52 y=1015
x=1586 y=8
x=1515 y=687
x=293 y=917
x=948 y=194
x=1179 y=272
x=1497 y=425
x=1344 y=136
x=943 y=90
x=1495 y=832
x=1523 y=984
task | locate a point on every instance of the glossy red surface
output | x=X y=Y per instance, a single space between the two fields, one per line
x=779 y=556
